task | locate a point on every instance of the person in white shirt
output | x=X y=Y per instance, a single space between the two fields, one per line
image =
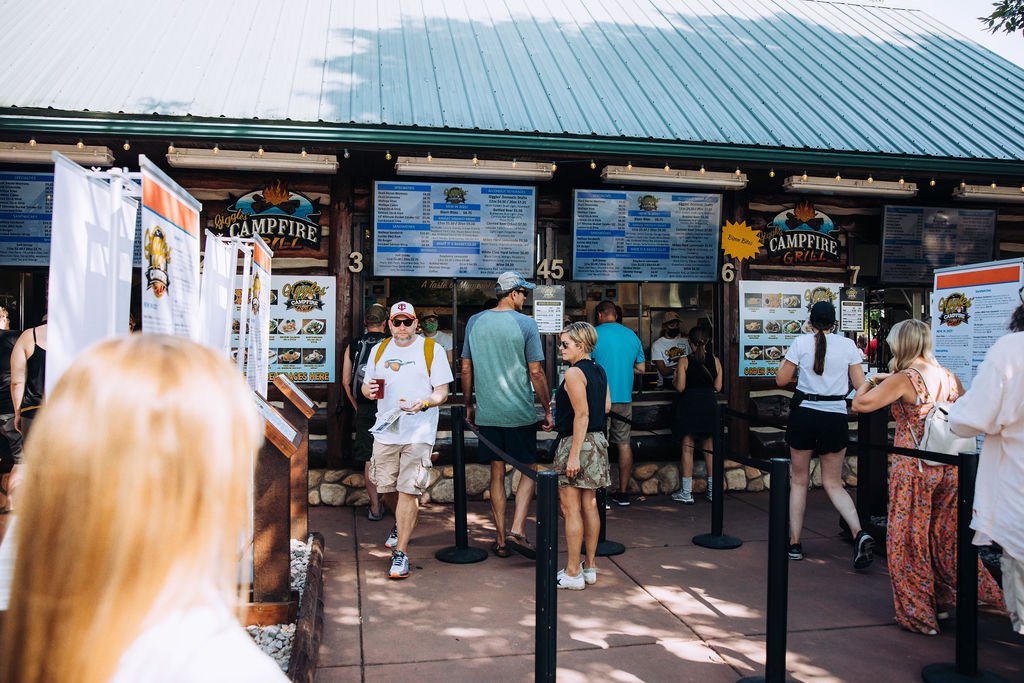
x=668 y=349
x=415 y=381
x=138 y=474
x=429 y=329
x=827 y=364
x=995 y=407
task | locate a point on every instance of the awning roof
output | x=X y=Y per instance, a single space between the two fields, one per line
x=795 y=76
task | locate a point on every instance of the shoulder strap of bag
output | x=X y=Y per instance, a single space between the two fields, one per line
x=380 y=351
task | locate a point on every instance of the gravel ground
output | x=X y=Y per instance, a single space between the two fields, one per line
x=276 y=640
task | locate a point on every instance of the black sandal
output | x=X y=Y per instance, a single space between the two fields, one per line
x=500 y=550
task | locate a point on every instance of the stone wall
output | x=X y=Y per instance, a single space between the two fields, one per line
x=347 y=487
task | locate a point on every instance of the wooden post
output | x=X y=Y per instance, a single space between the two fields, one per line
x=271 y=504
x=297 y=409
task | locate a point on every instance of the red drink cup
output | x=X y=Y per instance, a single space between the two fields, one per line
x=378 y=389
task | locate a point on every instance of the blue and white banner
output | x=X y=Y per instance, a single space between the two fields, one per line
x=26 y=210
x=645 y=236
x=453 y=229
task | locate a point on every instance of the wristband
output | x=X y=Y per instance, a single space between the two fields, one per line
x=872 y=382
x=425 y=402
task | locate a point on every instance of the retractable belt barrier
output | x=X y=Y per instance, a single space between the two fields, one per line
x=547 y=540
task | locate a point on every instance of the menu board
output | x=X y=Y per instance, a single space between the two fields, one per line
x=549 y=308
x=302 y=323
x=772 y=315
x=26 y=209
x=917 y=240
x=970 y=309
x=645 y=236
x=453 y=229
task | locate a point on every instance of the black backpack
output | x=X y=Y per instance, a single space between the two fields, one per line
x=360 y=354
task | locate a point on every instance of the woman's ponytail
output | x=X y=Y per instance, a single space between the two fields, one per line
x=819 y=352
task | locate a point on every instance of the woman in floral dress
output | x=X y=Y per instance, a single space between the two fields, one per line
x=921 y=538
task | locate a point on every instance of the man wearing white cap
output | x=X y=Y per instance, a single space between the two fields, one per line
x=668 y=349
x=502 y=359
x=407 y=379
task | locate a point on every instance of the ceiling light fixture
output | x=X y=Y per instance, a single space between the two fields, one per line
x=986 y=193
x=466 y=168
x=252 y=161
x=677 y=178
x=838 y=186
x=29 y=153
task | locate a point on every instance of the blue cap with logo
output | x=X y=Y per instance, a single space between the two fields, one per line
x=510 y=280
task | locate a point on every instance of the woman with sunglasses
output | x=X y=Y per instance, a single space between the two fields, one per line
x=581 y=403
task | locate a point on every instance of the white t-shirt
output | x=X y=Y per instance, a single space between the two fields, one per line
x=669 y=351
x=840 y=354
x=444 y=339
x=404 y=372
x=196 y=645
x=994 y=406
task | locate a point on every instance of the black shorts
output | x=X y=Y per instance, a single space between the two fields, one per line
x=519 y=442
x=818 y=431
x=362 y=439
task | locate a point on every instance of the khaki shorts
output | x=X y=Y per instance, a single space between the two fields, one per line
x=402 y=467
x=618 y=431
x=594 y=470
x=1013 y=590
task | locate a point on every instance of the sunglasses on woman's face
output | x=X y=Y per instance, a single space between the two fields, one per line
x=564 y=344
x=402 y=322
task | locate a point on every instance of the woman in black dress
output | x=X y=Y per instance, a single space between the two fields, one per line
x=698 y=379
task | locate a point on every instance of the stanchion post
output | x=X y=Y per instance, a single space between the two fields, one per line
x=605 y=548
x=778 y=576
x=460 y=553
x=717 y=540
x=547 y=567
x=966 y=667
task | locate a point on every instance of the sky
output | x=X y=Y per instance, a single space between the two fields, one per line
x=962 y=16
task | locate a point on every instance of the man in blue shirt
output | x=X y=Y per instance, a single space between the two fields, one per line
x=621 y=354
x=502 y=359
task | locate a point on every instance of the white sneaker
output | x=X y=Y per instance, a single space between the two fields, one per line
x=392 y=538
x=399 y=565
x=681 y=496
x=573 y=583
x=589 y=575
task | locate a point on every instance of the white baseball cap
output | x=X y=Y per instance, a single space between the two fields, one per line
x=402 y=308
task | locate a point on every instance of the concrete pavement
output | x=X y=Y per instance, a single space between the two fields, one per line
x=666 y=610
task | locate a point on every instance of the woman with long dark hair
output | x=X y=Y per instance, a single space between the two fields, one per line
x=698 y=379
x=818 y=423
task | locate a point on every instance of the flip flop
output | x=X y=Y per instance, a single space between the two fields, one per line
x=521 y=545
x=500 y=550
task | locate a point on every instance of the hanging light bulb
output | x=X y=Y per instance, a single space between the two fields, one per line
x=962 y=184
x=993 y=186
x=667 y=169
x=593 y=165
x=738 y=173
x=126 y=146
x=259 y=152
x=702 y=168
x=345 y=154
x=931 y=183
x=430 y=157
x=771 y=173
x=387 y=155
x=303 y=152
x=629 y=165
x=804 y=177
x=901 y=180
x=839 y=178
x=32 y=142
x=1022 y=188
x=554 y=166
x=515 y=162
x=80 y=145
x=871 y=179
x=476 y=162
x=216 y=148
x=171 y=149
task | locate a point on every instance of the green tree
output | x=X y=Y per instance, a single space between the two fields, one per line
x=1008 y=16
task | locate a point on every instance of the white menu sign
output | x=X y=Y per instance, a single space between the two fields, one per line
x=772 y=315
x=970 y=309
x=648 y=236
x=917 y=240
x=453 y=229
x=302 y=322
x=549 y=308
